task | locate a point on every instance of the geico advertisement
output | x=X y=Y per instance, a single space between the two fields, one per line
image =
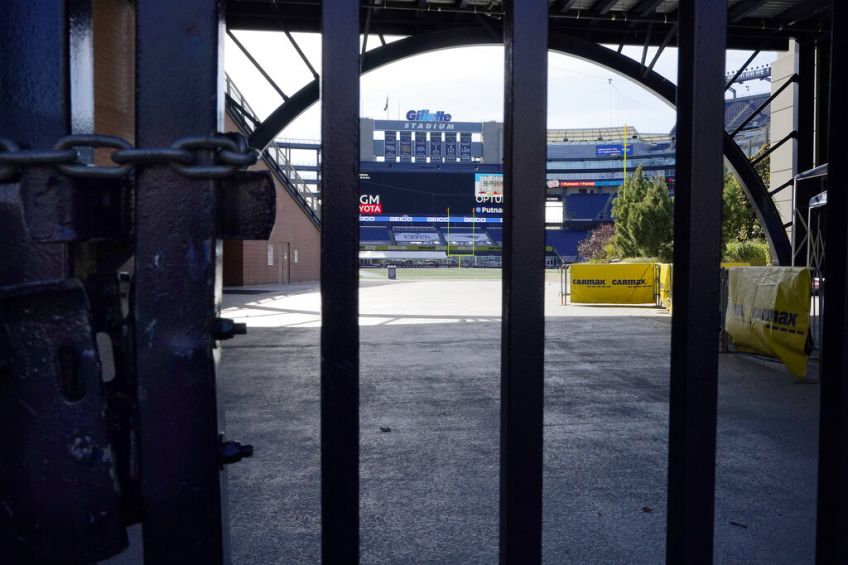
x=619 y=283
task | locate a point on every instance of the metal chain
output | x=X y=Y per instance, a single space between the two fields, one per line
x=212 y=156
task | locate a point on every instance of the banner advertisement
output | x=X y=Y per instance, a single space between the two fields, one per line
x=488 y=187
x=666 y=278
x=467 y=239
x=417 y=237
x=465 y=147
x=768 y=312
x=413 y=125
x=391 y=146
x=405 y=147
x=618 y=283
x=430 y=219
x=612 y=150
x=420 y=147
x=450 y=147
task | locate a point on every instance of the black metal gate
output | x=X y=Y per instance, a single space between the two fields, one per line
x=83 y=459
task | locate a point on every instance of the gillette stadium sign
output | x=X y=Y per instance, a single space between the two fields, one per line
x=427 y=116
x=428 y=121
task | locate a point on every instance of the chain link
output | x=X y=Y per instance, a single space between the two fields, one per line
x=93 y=171
x=209 y=168
x=213 y=156
x=158 y=156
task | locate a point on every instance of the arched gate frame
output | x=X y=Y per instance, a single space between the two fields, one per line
x=621 y=64
x=58 y=486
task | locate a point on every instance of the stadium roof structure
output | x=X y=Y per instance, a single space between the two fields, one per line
x=752 y=24
x=593 y=135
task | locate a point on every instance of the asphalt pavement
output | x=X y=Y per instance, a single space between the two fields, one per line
x=429 y=412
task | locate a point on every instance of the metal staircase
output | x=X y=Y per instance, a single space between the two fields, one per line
x=246 y=120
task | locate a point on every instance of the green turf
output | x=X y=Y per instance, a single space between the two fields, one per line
x=431 y=274
x=444 y=274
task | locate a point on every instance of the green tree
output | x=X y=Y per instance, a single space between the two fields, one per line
x=739 y=221
x=742 y=234
x=631 y=193
x=644 y=218
x=763 y=167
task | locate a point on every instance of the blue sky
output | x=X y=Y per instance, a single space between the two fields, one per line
x=466 y=82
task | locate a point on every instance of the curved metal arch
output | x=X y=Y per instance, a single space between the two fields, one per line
x=594 y=53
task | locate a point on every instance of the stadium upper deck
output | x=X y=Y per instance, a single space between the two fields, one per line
x=424 y=180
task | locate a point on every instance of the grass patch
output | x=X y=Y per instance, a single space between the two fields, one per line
x=441 y=273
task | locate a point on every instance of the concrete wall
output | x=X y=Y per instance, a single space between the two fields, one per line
x=783 y=121
x=295 y=246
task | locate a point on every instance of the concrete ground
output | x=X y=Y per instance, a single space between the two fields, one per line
x=429 y=487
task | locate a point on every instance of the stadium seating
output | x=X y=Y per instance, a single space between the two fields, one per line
x=374 y=235
x=565 y=242
x=586 y=207
x=738 y=110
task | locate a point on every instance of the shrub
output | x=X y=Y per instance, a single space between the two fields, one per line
x=598 y=246
x=755 y=252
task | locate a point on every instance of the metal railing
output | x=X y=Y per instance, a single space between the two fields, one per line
x=247 y=120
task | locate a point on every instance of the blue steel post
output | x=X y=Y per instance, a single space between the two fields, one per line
x=340 y=282
x=35 y=113
x=523 y=329
x=178 y=94
x=832 y=527
x=697 y=254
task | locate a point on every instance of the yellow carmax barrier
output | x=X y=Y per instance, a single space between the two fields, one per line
x=768 y=312
x=618 y=283
x=665 y=285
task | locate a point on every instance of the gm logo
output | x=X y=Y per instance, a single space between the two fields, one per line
x=370 y=204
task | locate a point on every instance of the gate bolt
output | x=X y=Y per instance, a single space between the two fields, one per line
x=225 y=328
x=233 y=452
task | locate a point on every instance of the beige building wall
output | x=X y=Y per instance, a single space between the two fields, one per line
x=783 y=121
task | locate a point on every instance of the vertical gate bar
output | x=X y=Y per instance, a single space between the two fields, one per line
x=822 y=98
x=178 y=70
x=697 y=253
x=831 y=541
x=805 y=105
x=81 y=60
x=35 y=113
x=340 y=281
x=523 y=326
x=804 y=146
